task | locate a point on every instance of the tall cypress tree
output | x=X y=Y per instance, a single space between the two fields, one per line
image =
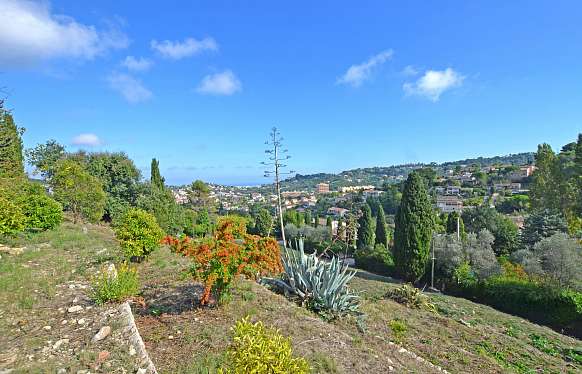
x=366 y=228
x=307 y=218
x=452 y=224
x=156 y=178
x=11 y=159
x=381 y=229
x=413 y=233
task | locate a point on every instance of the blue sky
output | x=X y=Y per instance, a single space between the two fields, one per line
x=198 y=85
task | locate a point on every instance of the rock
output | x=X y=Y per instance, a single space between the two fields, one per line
x=82 y=371
x=102 y=334
x=47 y=328
x=12 y=251
x=62 y=371
x=171 y=337
x=132 y=351
x=75 y=309
x=103 y=355
x=81 y=321
x=64 y=322
x=60 y=342
x=141 y=371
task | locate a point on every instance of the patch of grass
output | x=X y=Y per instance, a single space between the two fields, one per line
x=398 y=328
x=108 y=287
x=207 y=364
x=544 y=344
x=322 y=363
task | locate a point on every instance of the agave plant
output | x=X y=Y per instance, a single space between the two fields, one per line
x=321 y=284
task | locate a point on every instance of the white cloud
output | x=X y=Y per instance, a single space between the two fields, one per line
x=30 y=33
x=434 y=83
x=225 y=83
x=189 y=47
x=90 y=140
x=137 y=64
x=129 y=87
x=357 y=74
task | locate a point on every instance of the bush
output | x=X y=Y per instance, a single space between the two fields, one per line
x=111 y=286
x=410 y=296
x=12 y=219
x=376 y=259
x=262 y=350
x=138 y=233
x=41 y=212
x=319 y=284
x=219 y=260
x=538 y=301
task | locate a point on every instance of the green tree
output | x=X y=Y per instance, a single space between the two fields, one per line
x=316 y=220
x=328 y=222
x=308 y=220
x=365 y=228
x=156 y=178
x=120 y=180
x=502 y=228
x=542 y=224
x=44 y=157
x=138 y=233
x=11 y=159
x=414 y=224
x=549 y=189
x=161 y=203
x=263 y=222
x=78 y=191
x=199 y=195
x=381 y=228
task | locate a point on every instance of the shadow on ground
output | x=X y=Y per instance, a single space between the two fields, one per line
x=165 y=299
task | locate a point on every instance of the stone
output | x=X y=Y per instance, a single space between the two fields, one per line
x=132 y=350
x=75 y=309
x=102 y=334
x=141 y=371
x=62 y=371
x=60 y=342
x=103 y=355
x=81 y=321
x=64 y=322
x=12 y=251
x=47 y=328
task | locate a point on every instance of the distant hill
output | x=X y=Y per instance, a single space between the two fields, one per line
x=377 y=175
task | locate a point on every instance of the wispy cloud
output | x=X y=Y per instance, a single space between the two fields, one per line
x=30 y=33
x=225 y=83
x=129 y=87
x=89 y=140
x=357 y=74
x=137 y=64
x=410 y=71
x=176 y=50
x=434 y=83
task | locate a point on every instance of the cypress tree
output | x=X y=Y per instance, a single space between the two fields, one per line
x=307 y=218
x=366 y=228
x=316 y=222
x=413 y=233
x=11 y=159
x=381 y=229
x=328 y=222
x=156 y=178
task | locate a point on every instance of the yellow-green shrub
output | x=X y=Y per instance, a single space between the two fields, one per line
x=138 y=233
x=12 y=220
x=262 y=350
x=108 y=286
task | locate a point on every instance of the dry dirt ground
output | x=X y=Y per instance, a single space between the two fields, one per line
x=462 y=337
x=47 y=319
x=39 y=334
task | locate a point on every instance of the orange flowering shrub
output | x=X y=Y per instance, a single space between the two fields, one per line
x=512 y=270
x=231 y=252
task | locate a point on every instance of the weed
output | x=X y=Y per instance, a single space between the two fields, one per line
x=109 y=287
x=322 y=363
x=399 y=329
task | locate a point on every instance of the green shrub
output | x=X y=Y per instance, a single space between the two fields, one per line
x=464 y=275
x=138 y=233
x=42 y=212
x=377 y=259
x=12 y=219
x=411 y=296
x=108 y=286
x=538 y=301
x=262 y=350
x=398 y=328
